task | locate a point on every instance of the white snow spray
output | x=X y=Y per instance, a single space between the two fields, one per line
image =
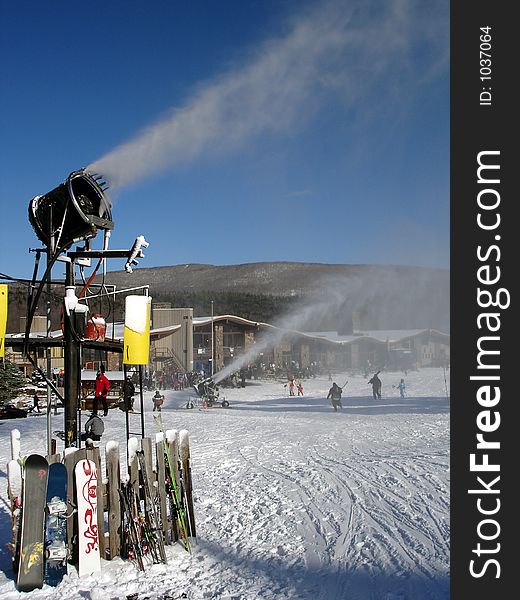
x=383 y=297
x=332 y=52
x=293 y=322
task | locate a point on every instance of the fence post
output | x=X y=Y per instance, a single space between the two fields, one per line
x=161 y=482
x=146 y=447
x=114 y=503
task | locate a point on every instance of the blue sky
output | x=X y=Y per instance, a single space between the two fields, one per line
x=233 y=131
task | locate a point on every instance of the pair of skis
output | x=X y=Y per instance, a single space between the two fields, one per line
x=41 y=555
x=179 y=493
x=141 y=521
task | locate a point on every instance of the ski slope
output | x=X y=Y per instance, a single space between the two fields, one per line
x=292 y=500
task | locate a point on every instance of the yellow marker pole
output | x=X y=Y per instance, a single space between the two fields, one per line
x=136 y=342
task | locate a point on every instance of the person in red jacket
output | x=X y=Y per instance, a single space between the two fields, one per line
x=102 y=387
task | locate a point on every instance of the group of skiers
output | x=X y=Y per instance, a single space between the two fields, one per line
x=293 y=384
x=94 y=426
x=336 y=391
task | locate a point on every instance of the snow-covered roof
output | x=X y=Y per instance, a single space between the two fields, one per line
x=380 y=335
x=199 y=321
x=114 y=333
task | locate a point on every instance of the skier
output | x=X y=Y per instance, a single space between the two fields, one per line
x=128 y=394
x=300 y=389
x=94 y=428
x=401 y=387
x=102 y=387
x=158 y=399
x=376 y=386
x=335 y=396
x=291 y=387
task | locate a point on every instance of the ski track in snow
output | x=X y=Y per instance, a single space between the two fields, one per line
x=292 y=500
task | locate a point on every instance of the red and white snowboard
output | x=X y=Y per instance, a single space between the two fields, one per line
x=89 y=560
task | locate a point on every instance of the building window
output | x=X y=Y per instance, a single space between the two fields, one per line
x=233 y=340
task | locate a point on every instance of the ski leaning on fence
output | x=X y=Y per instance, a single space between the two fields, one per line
x=184 y=456
x=176 y=497
x=56 y=525
x=151 y=528
x=31 y=562
x=132 y=546
x=89 y=560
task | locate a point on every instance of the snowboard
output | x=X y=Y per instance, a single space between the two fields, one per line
x=30 y=568
x=89 y=560
x=56 y=525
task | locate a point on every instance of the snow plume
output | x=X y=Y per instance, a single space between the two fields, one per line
x=375 y=298
x=390 y=297
x=298 y=320
x=333 y=52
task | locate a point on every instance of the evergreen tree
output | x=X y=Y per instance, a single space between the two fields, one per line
x=11 y=381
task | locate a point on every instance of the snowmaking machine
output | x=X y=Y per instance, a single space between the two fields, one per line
x=208 y=393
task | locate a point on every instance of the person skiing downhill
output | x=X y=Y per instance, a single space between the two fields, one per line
x=376 y=386
x=335 y=396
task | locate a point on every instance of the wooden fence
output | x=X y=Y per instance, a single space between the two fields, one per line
x=109 y=515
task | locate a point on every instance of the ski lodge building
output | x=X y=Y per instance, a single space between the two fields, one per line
x=180 y=342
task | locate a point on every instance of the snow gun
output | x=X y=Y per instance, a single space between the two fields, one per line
x=73 y=211
x=209 y=394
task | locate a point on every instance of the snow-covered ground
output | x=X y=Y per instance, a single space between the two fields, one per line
x=292 y=500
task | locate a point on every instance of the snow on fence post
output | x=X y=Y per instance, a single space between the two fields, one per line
x=15 y=444
x=161 y=482
x=172 y=441
x=184 y=454
x=114 y=502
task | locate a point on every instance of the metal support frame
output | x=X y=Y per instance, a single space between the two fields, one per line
x=71 y=371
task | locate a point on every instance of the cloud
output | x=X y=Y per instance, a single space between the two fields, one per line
x=338 y=52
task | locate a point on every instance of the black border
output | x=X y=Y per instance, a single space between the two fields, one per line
x=476 y=128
